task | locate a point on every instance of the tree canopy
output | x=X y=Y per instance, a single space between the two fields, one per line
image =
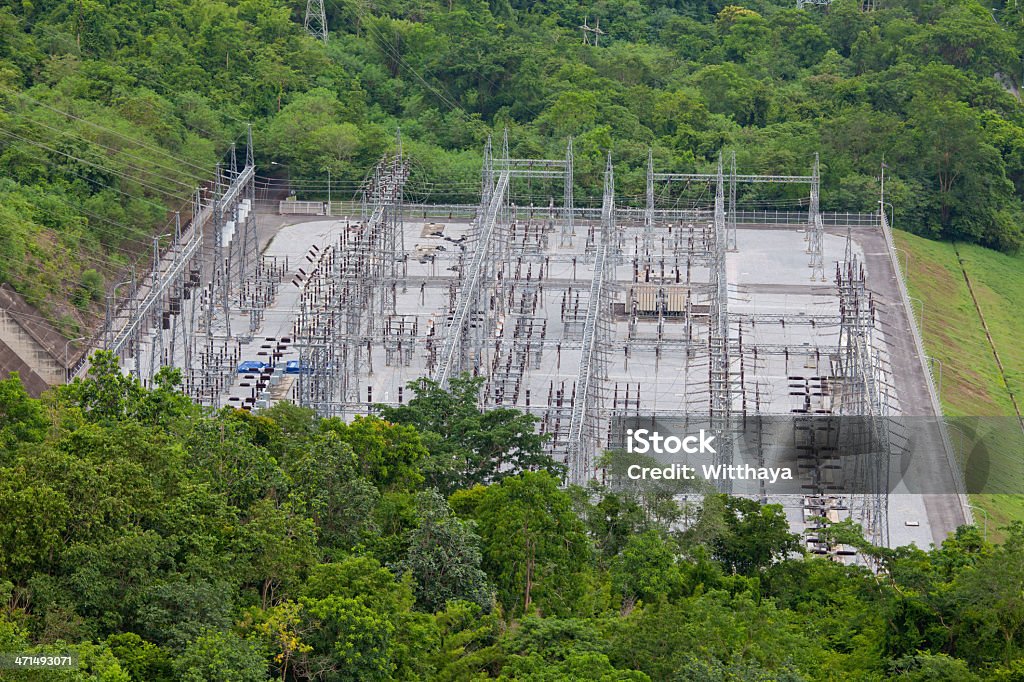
x=277 y=545
x=112 y=112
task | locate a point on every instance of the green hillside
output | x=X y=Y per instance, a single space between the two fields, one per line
x=112 y=110
x=972 y=382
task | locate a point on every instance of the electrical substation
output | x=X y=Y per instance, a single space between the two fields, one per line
x=689 y=305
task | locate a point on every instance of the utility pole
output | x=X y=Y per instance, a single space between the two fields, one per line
x=316 y=19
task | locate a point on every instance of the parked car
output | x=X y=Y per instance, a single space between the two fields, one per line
x=295 y=367
x=252 y=367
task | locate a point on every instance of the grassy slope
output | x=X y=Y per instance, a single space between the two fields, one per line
x=971 y=382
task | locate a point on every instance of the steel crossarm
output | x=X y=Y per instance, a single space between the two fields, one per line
x=236 y=186
x=712 y=177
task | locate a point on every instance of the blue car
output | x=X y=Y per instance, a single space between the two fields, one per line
x=294 y=367
x=252 y=367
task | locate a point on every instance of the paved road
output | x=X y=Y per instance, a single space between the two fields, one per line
x=931 y=466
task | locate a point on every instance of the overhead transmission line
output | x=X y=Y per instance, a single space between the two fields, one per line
x=167 y=88
x=176 y=159
x=67 y=134
x=94 y=165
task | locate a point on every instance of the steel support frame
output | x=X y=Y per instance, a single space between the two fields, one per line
x=172 y=278
x=348 y=297
x=461 y=350
x=721 y=389
x=584 y=425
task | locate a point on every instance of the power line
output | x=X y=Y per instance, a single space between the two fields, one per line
x=448 y=100
x=169 y=155
x=143 y=243
x=69 y=135
x=153 y=79
x=94 y=165
x=93 y=228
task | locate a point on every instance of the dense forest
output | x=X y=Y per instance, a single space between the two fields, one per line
x=111 y=111
x=158 y=541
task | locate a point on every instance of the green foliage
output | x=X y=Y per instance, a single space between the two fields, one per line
x=466 y=445
x=324 y=485
x=560 y=649
x=754 y=537
x=535 y=547
x=90 y=289
x=646 y=569
x=21 y=418
x=361 y=623
x=387 y=454
x=221 y=655
x=164 y=543
x=106 y=394
x=141 y=659
x=924 y=666
x=443 y=557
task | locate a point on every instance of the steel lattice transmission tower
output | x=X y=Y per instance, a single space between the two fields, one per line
x=316 y=19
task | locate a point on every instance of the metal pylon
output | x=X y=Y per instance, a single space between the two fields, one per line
x=816 y=229
x=721 y=391
x=649 y=210
x=316 y=19
x=585 y=420
x=730 y=236
x=487 y=179
x=568 y=229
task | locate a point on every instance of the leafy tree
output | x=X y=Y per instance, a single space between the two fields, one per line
x=176 y=611
x=755 y=536
x=535 y=548
x=325 y=486
x=468 y=641
x=141 y=659
x=33 y=518
x=466 y=445
x=105 y=393
x=924 y=666
x=362 y=625
x=646 y=569
x=387 y=454
x=725 y=631
x=21 y=418
x=221 y=655
x=613 y=520
x=555 y=648
x=990 y=595
x=443 y=557
x=220 y=454
x=953 y=156
x=282 y=629
x=279 y=546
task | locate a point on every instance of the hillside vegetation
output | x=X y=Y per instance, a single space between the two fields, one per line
x=972 y=383
x=160 y=543
x=111 y=110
